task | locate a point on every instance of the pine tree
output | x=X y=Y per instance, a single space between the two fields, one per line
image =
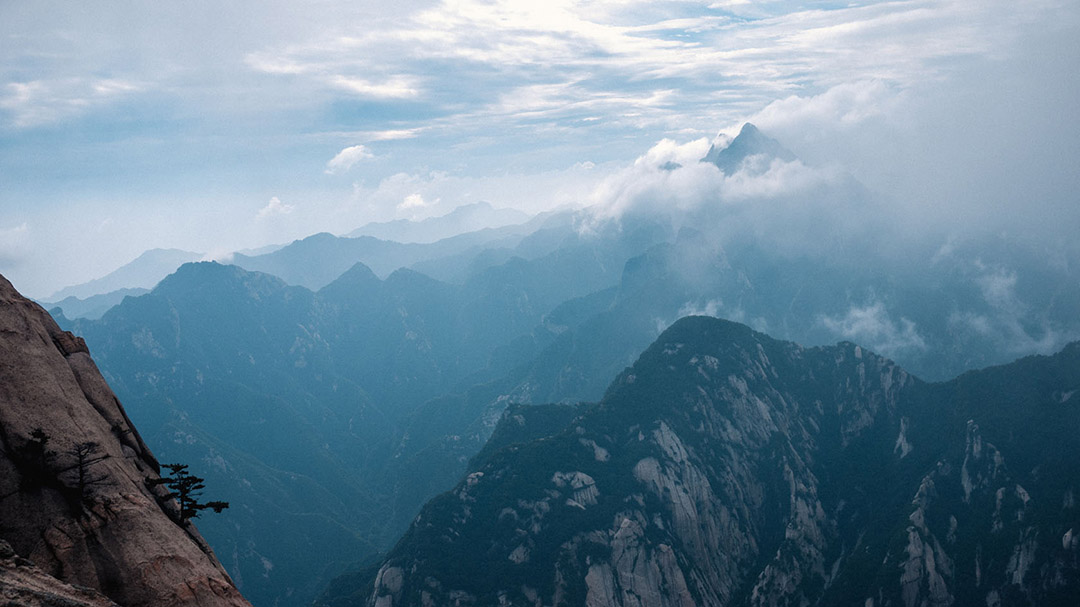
x=86 y=454
x=187 y=488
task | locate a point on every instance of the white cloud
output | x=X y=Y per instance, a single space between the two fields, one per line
x=392 y=134
x=541 y=61
x=413 y=203
x=870 y=325
x=998 y=286
x=40 y=102
x=711 y=307
x=845 y=105
x=14 y=245
x=346 y=158
x=442 y=191
x=397 y=87
x=1007 y=320
x=222 y=256
x=670 y=177
x=275 y=208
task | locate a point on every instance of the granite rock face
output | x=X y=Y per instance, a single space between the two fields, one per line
x=99 y=524
x=24 y=585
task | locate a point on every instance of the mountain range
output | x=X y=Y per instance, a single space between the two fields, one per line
x=330 y=387
x=466 y=218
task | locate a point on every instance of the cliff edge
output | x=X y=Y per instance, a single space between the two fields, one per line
x=77 y=497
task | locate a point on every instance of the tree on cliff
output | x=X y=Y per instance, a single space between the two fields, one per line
x=187 y=488
x=86 y=454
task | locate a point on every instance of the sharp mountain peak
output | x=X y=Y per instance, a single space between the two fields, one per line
x=750 y=142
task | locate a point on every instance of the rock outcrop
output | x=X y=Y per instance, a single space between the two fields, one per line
x=77 y=498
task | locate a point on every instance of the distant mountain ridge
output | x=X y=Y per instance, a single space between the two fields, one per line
x=463 y=219
x=317 y=260
x=142 y=273
x=95 y=306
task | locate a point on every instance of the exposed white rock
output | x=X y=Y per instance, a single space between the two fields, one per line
x=583 y=486
x=390 y=579
x=599 y=453
x=388 y=584
x=1022 y=558
x=520 y=554
x=600 y=586
x=921 y=581
x=671 y=444
x=902 y=446
x=1071 y=540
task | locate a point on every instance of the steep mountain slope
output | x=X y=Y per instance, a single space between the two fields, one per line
x=76 y=481
x=728 y=468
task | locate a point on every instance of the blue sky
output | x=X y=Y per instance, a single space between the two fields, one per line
x=216 y=126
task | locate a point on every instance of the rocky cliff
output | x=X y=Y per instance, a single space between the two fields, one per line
x=728 y=468
x=77 y=502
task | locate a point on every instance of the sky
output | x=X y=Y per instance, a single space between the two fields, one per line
x=212 y=127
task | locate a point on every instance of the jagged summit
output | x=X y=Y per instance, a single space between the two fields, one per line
x=750 y=143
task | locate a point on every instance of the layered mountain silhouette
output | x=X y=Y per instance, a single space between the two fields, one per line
x=142 y=273
x=92 y=307
x=728 y=468
x=301 y=400
x=464 y=219
x=333 y=386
